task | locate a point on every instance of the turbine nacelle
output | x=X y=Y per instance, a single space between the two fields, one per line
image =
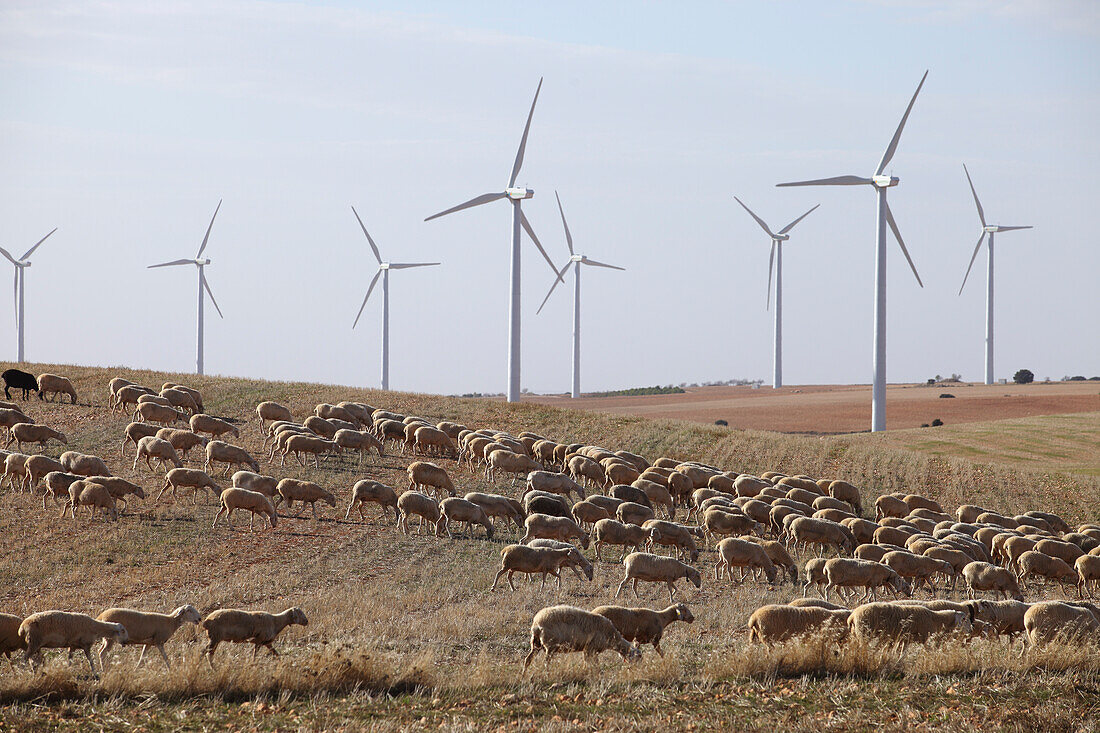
x=202 y=263
x=885 y=181
x=781 y=237
x=518 y=193
x=991 y=229
x=384 y=266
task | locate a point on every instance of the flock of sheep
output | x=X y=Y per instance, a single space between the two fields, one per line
x=757 y=525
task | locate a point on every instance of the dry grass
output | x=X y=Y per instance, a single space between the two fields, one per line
x=402 y=630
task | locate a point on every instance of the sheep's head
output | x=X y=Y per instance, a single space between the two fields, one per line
x=119 y=633
x=187 y=614
x=693 y=575
x=684 y=613
x=138 y=492
x=298 y=616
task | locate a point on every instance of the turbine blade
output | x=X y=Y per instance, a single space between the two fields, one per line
x=407 y=265
x=8 y=255
x=790 y=226
x=206 y=286
x=897 y=235
x=893 y=146
x=15 y=296
x=557 y=280
x=587 y=261
x=523 y=140
x=999 y=229
x=568 y=236
x=981 y=213
x=531 y=233
x=754 y=216
x=173 y=263
x=834 y=181
x=476 y=201
x=207 y=237
x=37 y=244
x=771 y=266
x=373 y=246
x=977 y=248
x=366 y=297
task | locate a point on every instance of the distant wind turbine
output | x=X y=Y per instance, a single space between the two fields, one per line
x=516 y=195
x=21 y=265
x=200 y=264
x=881 y=184
x=989 y=229
x=383 y=271
x=575 y=260
x=776 y=260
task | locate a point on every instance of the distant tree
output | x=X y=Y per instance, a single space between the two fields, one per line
x=1024 y=376
x=723 y=423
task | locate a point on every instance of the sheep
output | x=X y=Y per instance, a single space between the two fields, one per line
x=307 y=492
x=271 y=411
x=509 y=462
x=194 y=393
x=31 y=433
x=454 y=509
x=585 y=470
x=62 y=630
x=1000 y=617
x=154 y=399
x=495 y=505
x=118 y=383
x=588 y=513
x=151 y=412
x=369 y=491
x=282 y=434
x=182 y=440
x=321 y=427
x=917 y=567
x=621 y=473
x=842 y=572
x=656 y=569
x=545 y=526
x=532 y=561
x=191 y=478
x=10 y=418
x=823 y=533
x=57 y=485
x=433 y=441
x=93 y=496
x=1049 y=621
x=37 y=466
x=1088 y=571
x=128 y=395
x=55 y=385
x=742 y=554
x=815 y=575
x=299 y=444
x=255 y=482
x=778 y=623
x=180 y=400
x=230 y=455
x=1035 y=563
x=569 y=629
x=717 y=521
x=779 y=556
x=234 y=498
x=147 y=628
x=358 y=440
x=425 y=507
x=134 y=432
x=234 y=625
x=612 y=532
x=329 y=412
x=10 y=640
x=424 y=474
x=670 y=534
x=634 y=459
x=846 y=492
x=1014 y=547
x=151 y=447
x=982 y=576
x=642 y=625
x=577 y=562
x=658 y=495
x=901 y=624
x=15 y=467
x=630 y=513
x=1067 y=552
x=818 y=603
x=557 y=483
x=541 y=502
x=890 y=506
x=215 y=427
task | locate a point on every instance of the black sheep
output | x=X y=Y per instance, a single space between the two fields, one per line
x=13 y=378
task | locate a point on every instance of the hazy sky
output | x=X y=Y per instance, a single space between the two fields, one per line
x=124 y=123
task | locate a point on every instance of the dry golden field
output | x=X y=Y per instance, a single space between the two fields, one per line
x=403 y=632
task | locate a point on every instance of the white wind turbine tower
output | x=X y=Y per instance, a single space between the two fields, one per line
x=21 y=265
x=576 y=261
x=989 y=229
x=516 y=195
x=200 y=264
x=775 y=260
x=383 y=272
x=881 y=183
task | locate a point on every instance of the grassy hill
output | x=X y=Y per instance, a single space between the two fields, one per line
x=403 y=629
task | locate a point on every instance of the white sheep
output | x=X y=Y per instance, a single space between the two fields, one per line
x=255 y=482
x=271 y=411
x=546 y=526
x=569 y=629
x=642 y=625
x=423 y=473
x=234 y=498
x=233 y=625
x=151 y=447
x=307 y=492
x=63 y=630
x=532 y=561
x=456 y=510
x=152 y=412
x=742 y=554
x=360 y=441
x=613 y=532
x=55 y=385
x=182 y=440
x=33 y=433
x=317 y=447
x=84 y=465
x=778 y=623
x=423 y=506
x=844 y=573
x=1049 y=621
x=900 y=624
x=135 y=431
x=643 y=566
x=189 y=478
x=373 y=492
x=147 y=628
x=213 y=426
x=230 y=455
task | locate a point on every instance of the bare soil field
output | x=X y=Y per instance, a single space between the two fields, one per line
x=404 y=632
x=830 y=409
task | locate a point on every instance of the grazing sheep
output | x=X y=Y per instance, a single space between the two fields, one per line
x=588 y=513
x=154 y=399
x=577 y=562
x=230 y=455
x=151 y=447
x=271 y=411
x=15 y=467
x=118 y=383
x=569 y=629
x=822 y=533
x=778 y=623
x=517 y=464
x=180 y=400
x=55 y=385
x=291 y=490
x=1005 y=618
x=182 y=440
x=330 y=412
x=254 y=502
x=152 y=412
x=255 y=482
x=815 y=575
x=455 y=510
x=900 y=624
x=742 y=554
x=317 y=447
x=62 y=630
x=671 y=534
x=1069 y=623
x=146 y=628
x=57 y=486
x=135 y=431
x=1088 y=572
x=10 y=640
x=917 y=568
x=846 y=492
x=31 y=433
x=320 y=426
x=612 y=532
x=424 y=474
x=585 y=471
x=233 y=625
x=189 y=478
x=843 y=573
x=129 y=395
x=779 y=556
x=37 y=466
x=890 y=506
x=545 y=526
x=194 y=393
x=982 y=576
x=656 y=569
x=360 y=441
x=532 y=561
x=423 y=506
x=818 y=603
x=11 y=418
x=495 y=505
x=642 y=625
x=630 y=513
x=1034 y=563
x=1067 y=552
x=373 y=492
x=541 y=502
x=93 y=496
x=717 y=521
x=215 y=427
x=431 y=440
x=557 y=483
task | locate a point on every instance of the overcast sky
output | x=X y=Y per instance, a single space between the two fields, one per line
x=124 y=123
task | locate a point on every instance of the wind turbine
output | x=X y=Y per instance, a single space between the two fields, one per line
x=21 y=265
x=515 y=194
x=576 y=261
x=989 y=229
x=383 y=271
x=881 y=184
x=201 y=264
x=776 y=260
